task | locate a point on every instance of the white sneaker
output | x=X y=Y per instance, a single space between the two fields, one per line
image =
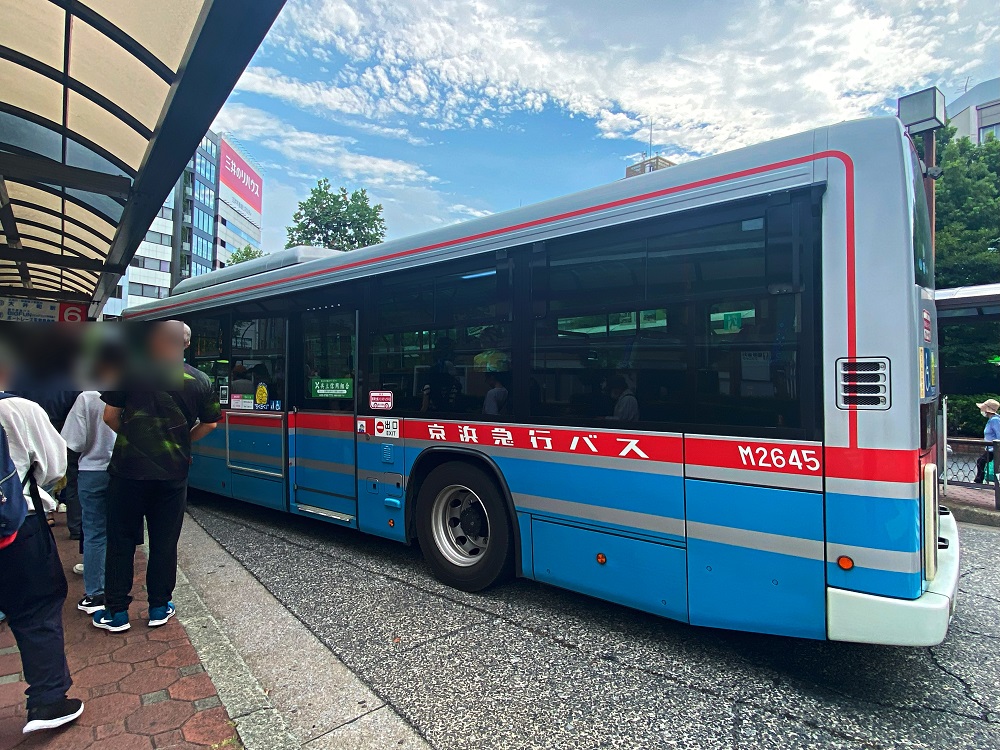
x=78 y=569
x=61 y=508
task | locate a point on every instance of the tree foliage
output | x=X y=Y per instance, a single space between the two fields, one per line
x=968 y=212
x=336 y=219
x=967 y=252
x=248 y=252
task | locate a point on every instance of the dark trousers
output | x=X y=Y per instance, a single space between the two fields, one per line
x=161 y=503
x=32 y=593
x=981 y=466
x=71 y=496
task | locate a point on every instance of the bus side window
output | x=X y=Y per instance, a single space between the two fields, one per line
x=258 y=364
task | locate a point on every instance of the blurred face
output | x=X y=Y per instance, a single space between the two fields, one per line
x=166 y=343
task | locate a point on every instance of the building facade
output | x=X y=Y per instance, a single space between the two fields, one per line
x=976 y=113
x=214 y=209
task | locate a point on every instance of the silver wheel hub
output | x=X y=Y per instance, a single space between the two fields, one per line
x=461 y=525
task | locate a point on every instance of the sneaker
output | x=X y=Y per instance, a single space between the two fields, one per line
x=78 y=569
x=116 y=622
x=159 y=615
x=91 y=604
x=61 y=508
x=53 y=715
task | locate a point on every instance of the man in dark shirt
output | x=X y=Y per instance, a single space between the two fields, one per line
x=156 y=417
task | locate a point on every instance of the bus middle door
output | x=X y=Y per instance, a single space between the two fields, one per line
x=321 y=434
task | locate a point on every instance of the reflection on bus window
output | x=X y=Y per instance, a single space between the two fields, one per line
x=440 y=346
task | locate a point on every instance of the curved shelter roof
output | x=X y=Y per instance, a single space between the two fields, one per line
x=102 y=103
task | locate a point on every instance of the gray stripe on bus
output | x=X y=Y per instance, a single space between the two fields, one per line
x=208 y=451
x=877 y=559
x=276 y=429
x=331 y=466
x=319 y=432
x=253 y=458
x=865 y=488
x=601 y=514
x=808 y=483
x=794 y=546
x=650 y=466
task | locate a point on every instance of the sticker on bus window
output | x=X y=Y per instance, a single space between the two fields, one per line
x=331 y=388
x=380 y=400
x=242 y=401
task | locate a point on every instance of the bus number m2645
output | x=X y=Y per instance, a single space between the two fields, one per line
x=760 y=457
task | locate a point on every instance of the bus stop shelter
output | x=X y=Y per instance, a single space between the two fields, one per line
x=102 y=103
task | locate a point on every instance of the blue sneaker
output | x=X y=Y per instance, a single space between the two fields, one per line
x=159 y=615
x=116 y=622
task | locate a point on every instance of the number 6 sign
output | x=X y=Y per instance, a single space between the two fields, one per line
x=69 y=313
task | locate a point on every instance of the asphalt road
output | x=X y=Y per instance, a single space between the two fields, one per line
x=528 y=666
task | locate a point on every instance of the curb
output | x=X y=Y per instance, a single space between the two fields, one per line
x=973 y=514
x=258 y=722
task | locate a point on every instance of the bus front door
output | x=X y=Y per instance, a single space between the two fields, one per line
x=321 y=429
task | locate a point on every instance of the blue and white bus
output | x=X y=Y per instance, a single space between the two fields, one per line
x=709 y=392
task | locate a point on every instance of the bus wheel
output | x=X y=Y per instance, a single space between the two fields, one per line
x=463 y=527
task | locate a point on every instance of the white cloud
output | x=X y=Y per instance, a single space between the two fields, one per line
x=712 y=76
x=411 y=200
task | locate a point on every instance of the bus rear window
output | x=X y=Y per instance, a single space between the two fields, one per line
x=923 y=252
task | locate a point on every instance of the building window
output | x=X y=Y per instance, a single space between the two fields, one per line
x=204 y=193
x=204 y=221
x=210 y=146
x=158 y=238
x=117 y=294
x=205 y=168
x=989 y=131
x=150 y=264
x=149 y=290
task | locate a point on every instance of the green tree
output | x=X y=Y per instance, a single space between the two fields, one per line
x=244 y=254
x=967 y=252
x=336 y=219
x=967 y=246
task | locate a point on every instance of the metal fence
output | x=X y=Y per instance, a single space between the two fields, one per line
x=961 y=460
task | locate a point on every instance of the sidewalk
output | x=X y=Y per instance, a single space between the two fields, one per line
x=972 y=504
x=144 y=689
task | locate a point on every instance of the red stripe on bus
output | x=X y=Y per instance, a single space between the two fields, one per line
x=796 y=459
x=542 y=439
x=249 y=420
x=333 y=422
x=873 y=464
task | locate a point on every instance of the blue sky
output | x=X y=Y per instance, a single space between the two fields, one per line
x=450 y=109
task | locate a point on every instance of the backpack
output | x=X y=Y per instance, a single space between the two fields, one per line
x=13 y=505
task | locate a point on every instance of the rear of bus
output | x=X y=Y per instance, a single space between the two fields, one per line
x=892 y=550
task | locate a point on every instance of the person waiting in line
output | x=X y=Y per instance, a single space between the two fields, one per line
x=496 y=395
x=991 y=432
x=157 y=420
x=86 y=433
x=626 y=404
x=32 y=584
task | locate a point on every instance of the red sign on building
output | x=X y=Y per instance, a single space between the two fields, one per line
x=240 y=177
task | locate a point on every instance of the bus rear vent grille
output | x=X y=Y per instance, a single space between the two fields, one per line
x=863 y=383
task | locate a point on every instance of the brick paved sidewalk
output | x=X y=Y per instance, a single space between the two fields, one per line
x=143 y=689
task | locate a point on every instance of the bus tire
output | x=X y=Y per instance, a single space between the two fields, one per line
x=463 y=527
